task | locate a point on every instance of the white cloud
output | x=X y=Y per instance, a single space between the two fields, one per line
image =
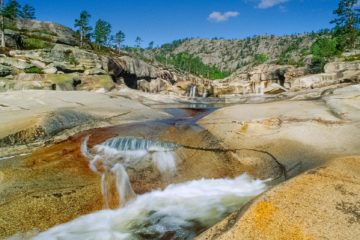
x=222 y=17
x=269 y=3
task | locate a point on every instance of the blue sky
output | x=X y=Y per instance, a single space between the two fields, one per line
x=166 y=20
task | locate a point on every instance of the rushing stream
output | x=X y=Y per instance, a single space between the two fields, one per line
x=177 y=212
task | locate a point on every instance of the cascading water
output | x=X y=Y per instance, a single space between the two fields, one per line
x=111 y=158
x=178 y=212
x=205 y=94
x=192 y=92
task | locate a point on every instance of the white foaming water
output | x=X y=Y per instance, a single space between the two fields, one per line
x=192 y=92
x=112 y=157
x=177 y=212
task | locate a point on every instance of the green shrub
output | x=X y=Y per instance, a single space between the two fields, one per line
x=33 y=43
x=323 y=50
x=189 y=63
x=33 y=69
x=260 y=58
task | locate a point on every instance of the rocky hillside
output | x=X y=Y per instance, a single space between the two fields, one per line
x=45 y=55
x=231 y=55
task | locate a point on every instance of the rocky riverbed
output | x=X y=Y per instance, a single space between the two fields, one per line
x=46 y=180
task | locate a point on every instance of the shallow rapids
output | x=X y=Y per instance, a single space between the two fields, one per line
x=111 y=158
x=180 y=211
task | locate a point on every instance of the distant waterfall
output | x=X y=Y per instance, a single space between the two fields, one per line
x=192 y=92
x=205 y=94
x=112 y=157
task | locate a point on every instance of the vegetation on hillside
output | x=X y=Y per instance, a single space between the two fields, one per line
x=192 y=64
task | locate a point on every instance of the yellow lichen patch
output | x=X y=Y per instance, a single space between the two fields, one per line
x=293 y=233
x=244 y=127
x=263 y=214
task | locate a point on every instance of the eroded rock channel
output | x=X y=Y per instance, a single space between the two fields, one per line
x=141 y=170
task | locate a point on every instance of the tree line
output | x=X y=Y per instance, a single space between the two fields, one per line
x=101 y=34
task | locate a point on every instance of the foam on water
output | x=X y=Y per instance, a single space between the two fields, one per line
x=177 y=212
x=112 y=157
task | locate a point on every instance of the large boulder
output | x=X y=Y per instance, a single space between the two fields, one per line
x=321 y=204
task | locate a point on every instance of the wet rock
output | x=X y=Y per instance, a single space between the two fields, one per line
x=322 y=203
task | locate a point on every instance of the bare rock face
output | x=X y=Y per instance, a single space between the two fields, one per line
x=321 y=204
x=64 y=58
x=140 y=75
x=335 y=72
x=52 y=31
x=252 y=81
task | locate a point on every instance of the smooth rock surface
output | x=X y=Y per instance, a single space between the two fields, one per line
x=321 y=204
x=300 y=134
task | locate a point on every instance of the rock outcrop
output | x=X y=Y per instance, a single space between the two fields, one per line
x=37 y=116
x=299 y=134
x=138 y=74
x=322 y=203
x=30 y=34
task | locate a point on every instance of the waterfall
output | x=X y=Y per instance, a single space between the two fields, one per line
x=205 y=94
x=178 y=212
x=192 y=92
x=111 y=158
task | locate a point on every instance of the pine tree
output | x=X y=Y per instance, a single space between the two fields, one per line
x=83 y=25
x=27 y=12
x=119 y=38
x=138 y=42
x=102 y=32
x=347 y=23
x=12 y=9
x=151 y=45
